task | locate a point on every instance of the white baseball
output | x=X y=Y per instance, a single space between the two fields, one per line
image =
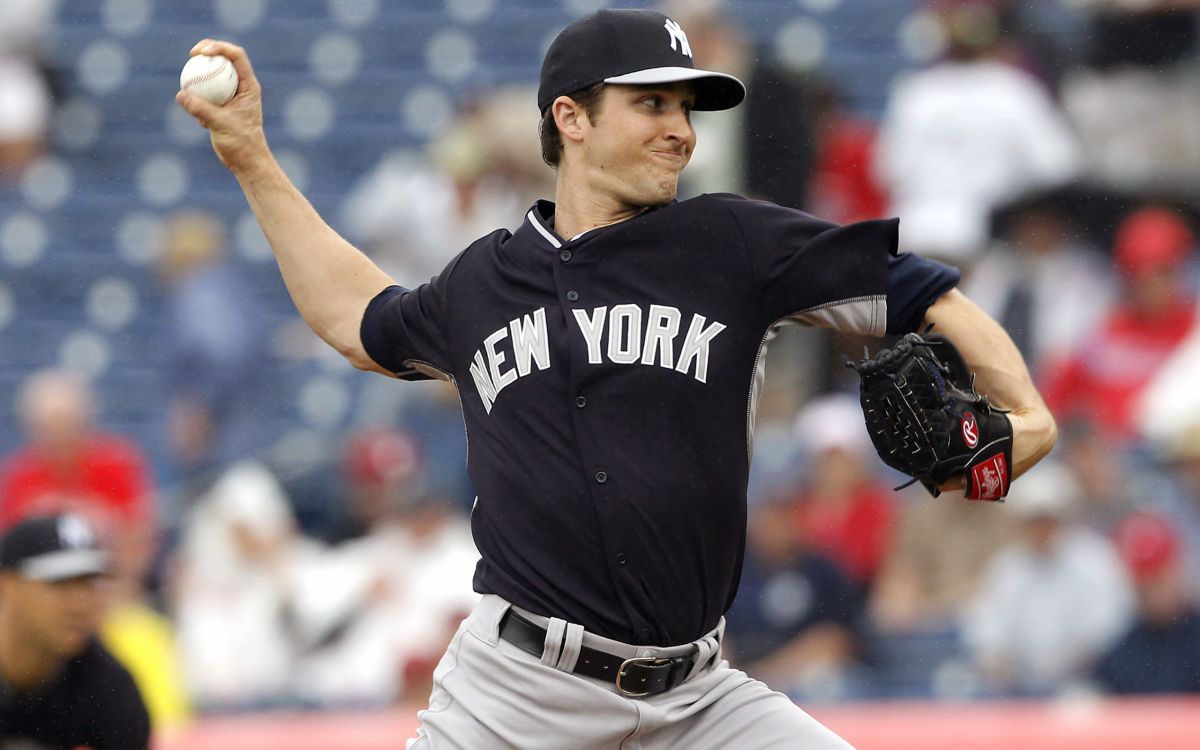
x=213 y=78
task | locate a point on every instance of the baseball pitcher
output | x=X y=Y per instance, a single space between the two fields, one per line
x=608 y=354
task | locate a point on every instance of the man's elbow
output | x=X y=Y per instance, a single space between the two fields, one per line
x=358 y=357
x=1035 y=435
x=346 y=339
x=1050 y=437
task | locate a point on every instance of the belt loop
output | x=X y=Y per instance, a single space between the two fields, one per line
x=572 y=643
x=552 y=648
x=705 y=649
x=484 y=620
x=708 y=650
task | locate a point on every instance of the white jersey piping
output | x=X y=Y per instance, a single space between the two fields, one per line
x=532 y=218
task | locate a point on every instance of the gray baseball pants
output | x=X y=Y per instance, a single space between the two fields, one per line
x=490 y=695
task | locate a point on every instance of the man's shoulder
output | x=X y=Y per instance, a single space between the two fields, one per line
x=737 y=204
x=707 y=201
x=481 y=250
x=708 y=208
x=489 y=244
x=97 y=667
x=750 y=215
x=113 y=707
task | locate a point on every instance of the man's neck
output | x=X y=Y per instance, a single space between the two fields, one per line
x=22 y=665
x=578 y=208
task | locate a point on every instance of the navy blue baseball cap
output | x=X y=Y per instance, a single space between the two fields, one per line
x=631 y=47
x=53 y=548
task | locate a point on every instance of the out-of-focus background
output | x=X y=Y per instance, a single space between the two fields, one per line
x=292 y=533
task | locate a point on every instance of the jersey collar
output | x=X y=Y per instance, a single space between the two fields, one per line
x=540 y=220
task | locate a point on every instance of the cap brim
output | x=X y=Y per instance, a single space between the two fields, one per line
x=64 y=565
x=714 y=91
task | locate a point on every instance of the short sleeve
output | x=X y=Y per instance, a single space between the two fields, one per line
x=400 y=330
x=915 y=283
x=815 y=272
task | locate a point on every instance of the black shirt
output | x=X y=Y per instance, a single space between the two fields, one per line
x=91 y=703
x=777 y=603
x=1155 y=658
x=608 y=385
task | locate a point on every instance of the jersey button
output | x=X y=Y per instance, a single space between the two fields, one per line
x=620 y=558
x=580 y=401
x=601 y=477
x=565 y=255
x=572 y=295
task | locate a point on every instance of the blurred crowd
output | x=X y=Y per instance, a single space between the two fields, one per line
x=1063 y=182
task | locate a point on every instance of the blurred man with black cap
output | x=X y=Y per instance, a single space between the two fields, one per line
x=59 y=688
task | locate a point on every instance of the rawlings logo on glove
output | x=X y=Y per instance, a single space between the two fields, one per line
x=926 y=420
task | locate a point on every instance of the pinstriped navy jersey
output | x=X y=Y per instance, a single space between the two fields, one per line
x=608 y=385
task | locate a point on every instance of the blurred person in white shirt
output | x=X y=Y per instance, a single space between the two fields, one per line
x=376 y=611
x=965 y=135
x=25 y=108
x=232 y=592
x=1050 y=603
x=1047 y=286
x=26 y=99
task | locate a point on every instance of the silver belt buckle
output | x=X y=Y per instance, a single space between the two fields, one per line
x=650 y=661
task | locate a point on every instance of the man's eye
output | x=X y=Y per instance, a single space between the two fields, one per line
x=653 y=101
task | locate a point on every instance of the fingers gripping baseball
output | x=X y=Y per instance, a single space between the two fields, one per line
x=236 y=126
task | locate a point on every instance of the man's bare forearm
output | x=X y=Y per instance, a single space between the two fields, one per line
x=330 y=281
x=1000 y=372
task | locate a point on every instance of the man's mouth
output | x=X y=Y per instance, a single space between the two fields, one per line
x=674 y=157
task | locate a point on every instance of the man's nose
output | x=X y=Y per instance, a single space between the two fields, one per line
x=679 y=127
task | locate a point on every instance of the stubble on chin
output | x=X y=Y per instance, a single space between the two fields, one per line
x=669 y=188
x=666 y=187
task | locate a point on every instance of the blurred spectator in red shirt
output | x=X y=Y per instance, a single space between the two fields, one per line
x=69 y=464
x=842 y=510
x=1103 y=380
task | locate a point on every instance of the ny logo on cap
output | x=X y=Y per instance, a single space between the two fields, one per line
x=74 y=533
x=676 y=32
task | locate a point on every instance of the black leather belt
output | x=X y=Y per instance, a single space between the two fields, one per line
x=636 y=677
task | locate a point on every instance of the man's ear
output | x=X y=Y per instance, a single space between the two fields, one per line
x=570 y=118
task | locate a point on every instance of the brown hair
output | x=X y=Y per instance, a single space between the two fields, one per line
x=552 y=145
